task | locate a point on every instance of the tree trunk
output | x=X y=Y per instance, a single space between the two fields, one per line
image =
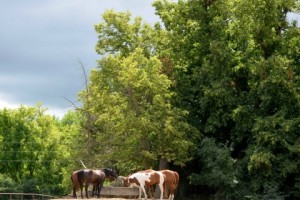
x=163 y=163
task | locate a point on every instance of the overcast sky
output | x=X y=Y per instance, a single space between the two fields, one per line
x=42 y=43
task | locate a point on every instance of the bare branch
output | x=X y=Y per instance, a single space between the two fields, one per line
x=74 y=105
x=85 y=76
x=82 y=164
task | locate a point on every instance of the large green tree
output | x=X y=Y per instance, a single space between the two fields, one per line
x=129 y=101
x=238 y=76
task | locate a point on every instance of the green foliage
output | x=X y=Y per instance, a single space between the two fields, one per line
x=31 y=186
x=269 y=192
x=228 y=69
x=119 y=34
x=69 y=147
x=133 y=109
x=128 y=99
x=217 y=166
x=7 y=184
x=30 y=149
x=238 y=77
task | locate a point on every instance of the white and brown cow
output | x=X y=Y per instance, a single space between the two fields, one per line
x=146 y=178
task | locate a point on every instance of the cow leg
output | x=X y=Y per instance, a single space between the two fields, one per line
x=74 y=192
x=161 y=187
x=86 y=191
x=171 y=192
x=99 y=188
x=145 y=193
x=95 y=190
x=151 y=191
x=172 y=196
x=81 y=188
x=165 y=191
x=140 y=192
x=143 y=188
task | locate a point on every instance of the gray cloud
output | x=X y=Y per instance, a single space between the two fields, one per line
x=42 y=42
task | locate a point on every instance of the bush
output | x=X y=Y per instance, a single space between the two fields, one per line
x=217 y=165
x=31 y=186
x=7 y=184
x=217 y=169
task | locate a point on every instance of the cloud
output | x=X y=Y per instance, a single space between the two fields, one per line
x=53 y=111
x=7 y=104
x=42 y=43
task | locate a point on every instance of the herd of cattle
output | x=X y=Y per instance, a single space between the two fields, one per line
x=167 y=180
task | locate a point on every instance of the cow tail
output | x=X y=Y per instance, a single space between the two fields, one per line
x=176 y=181
x=74 y=179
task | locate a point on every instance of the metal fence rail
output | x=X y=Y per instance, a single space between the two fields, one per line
x=13 y=196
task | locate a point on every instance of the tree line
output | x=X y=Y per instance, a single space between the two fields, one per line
x=211 y=91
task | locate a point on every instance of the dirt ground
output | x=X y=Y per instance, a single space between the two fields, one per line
x=102 y=198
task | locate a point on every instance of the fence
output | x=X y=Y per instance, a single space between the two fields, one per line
x=106 y=191
x=13 y=196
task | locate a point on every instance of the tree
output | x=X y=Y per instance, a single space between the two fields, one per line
x=237 y=76
x=70 y=147
x=130 y=98
x=30 y=149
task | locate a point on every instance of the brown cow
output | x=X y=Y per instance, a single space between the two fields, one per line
x=171 y=181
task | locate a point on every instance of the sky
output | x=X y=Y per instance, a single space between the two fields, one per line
x=43 y=42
